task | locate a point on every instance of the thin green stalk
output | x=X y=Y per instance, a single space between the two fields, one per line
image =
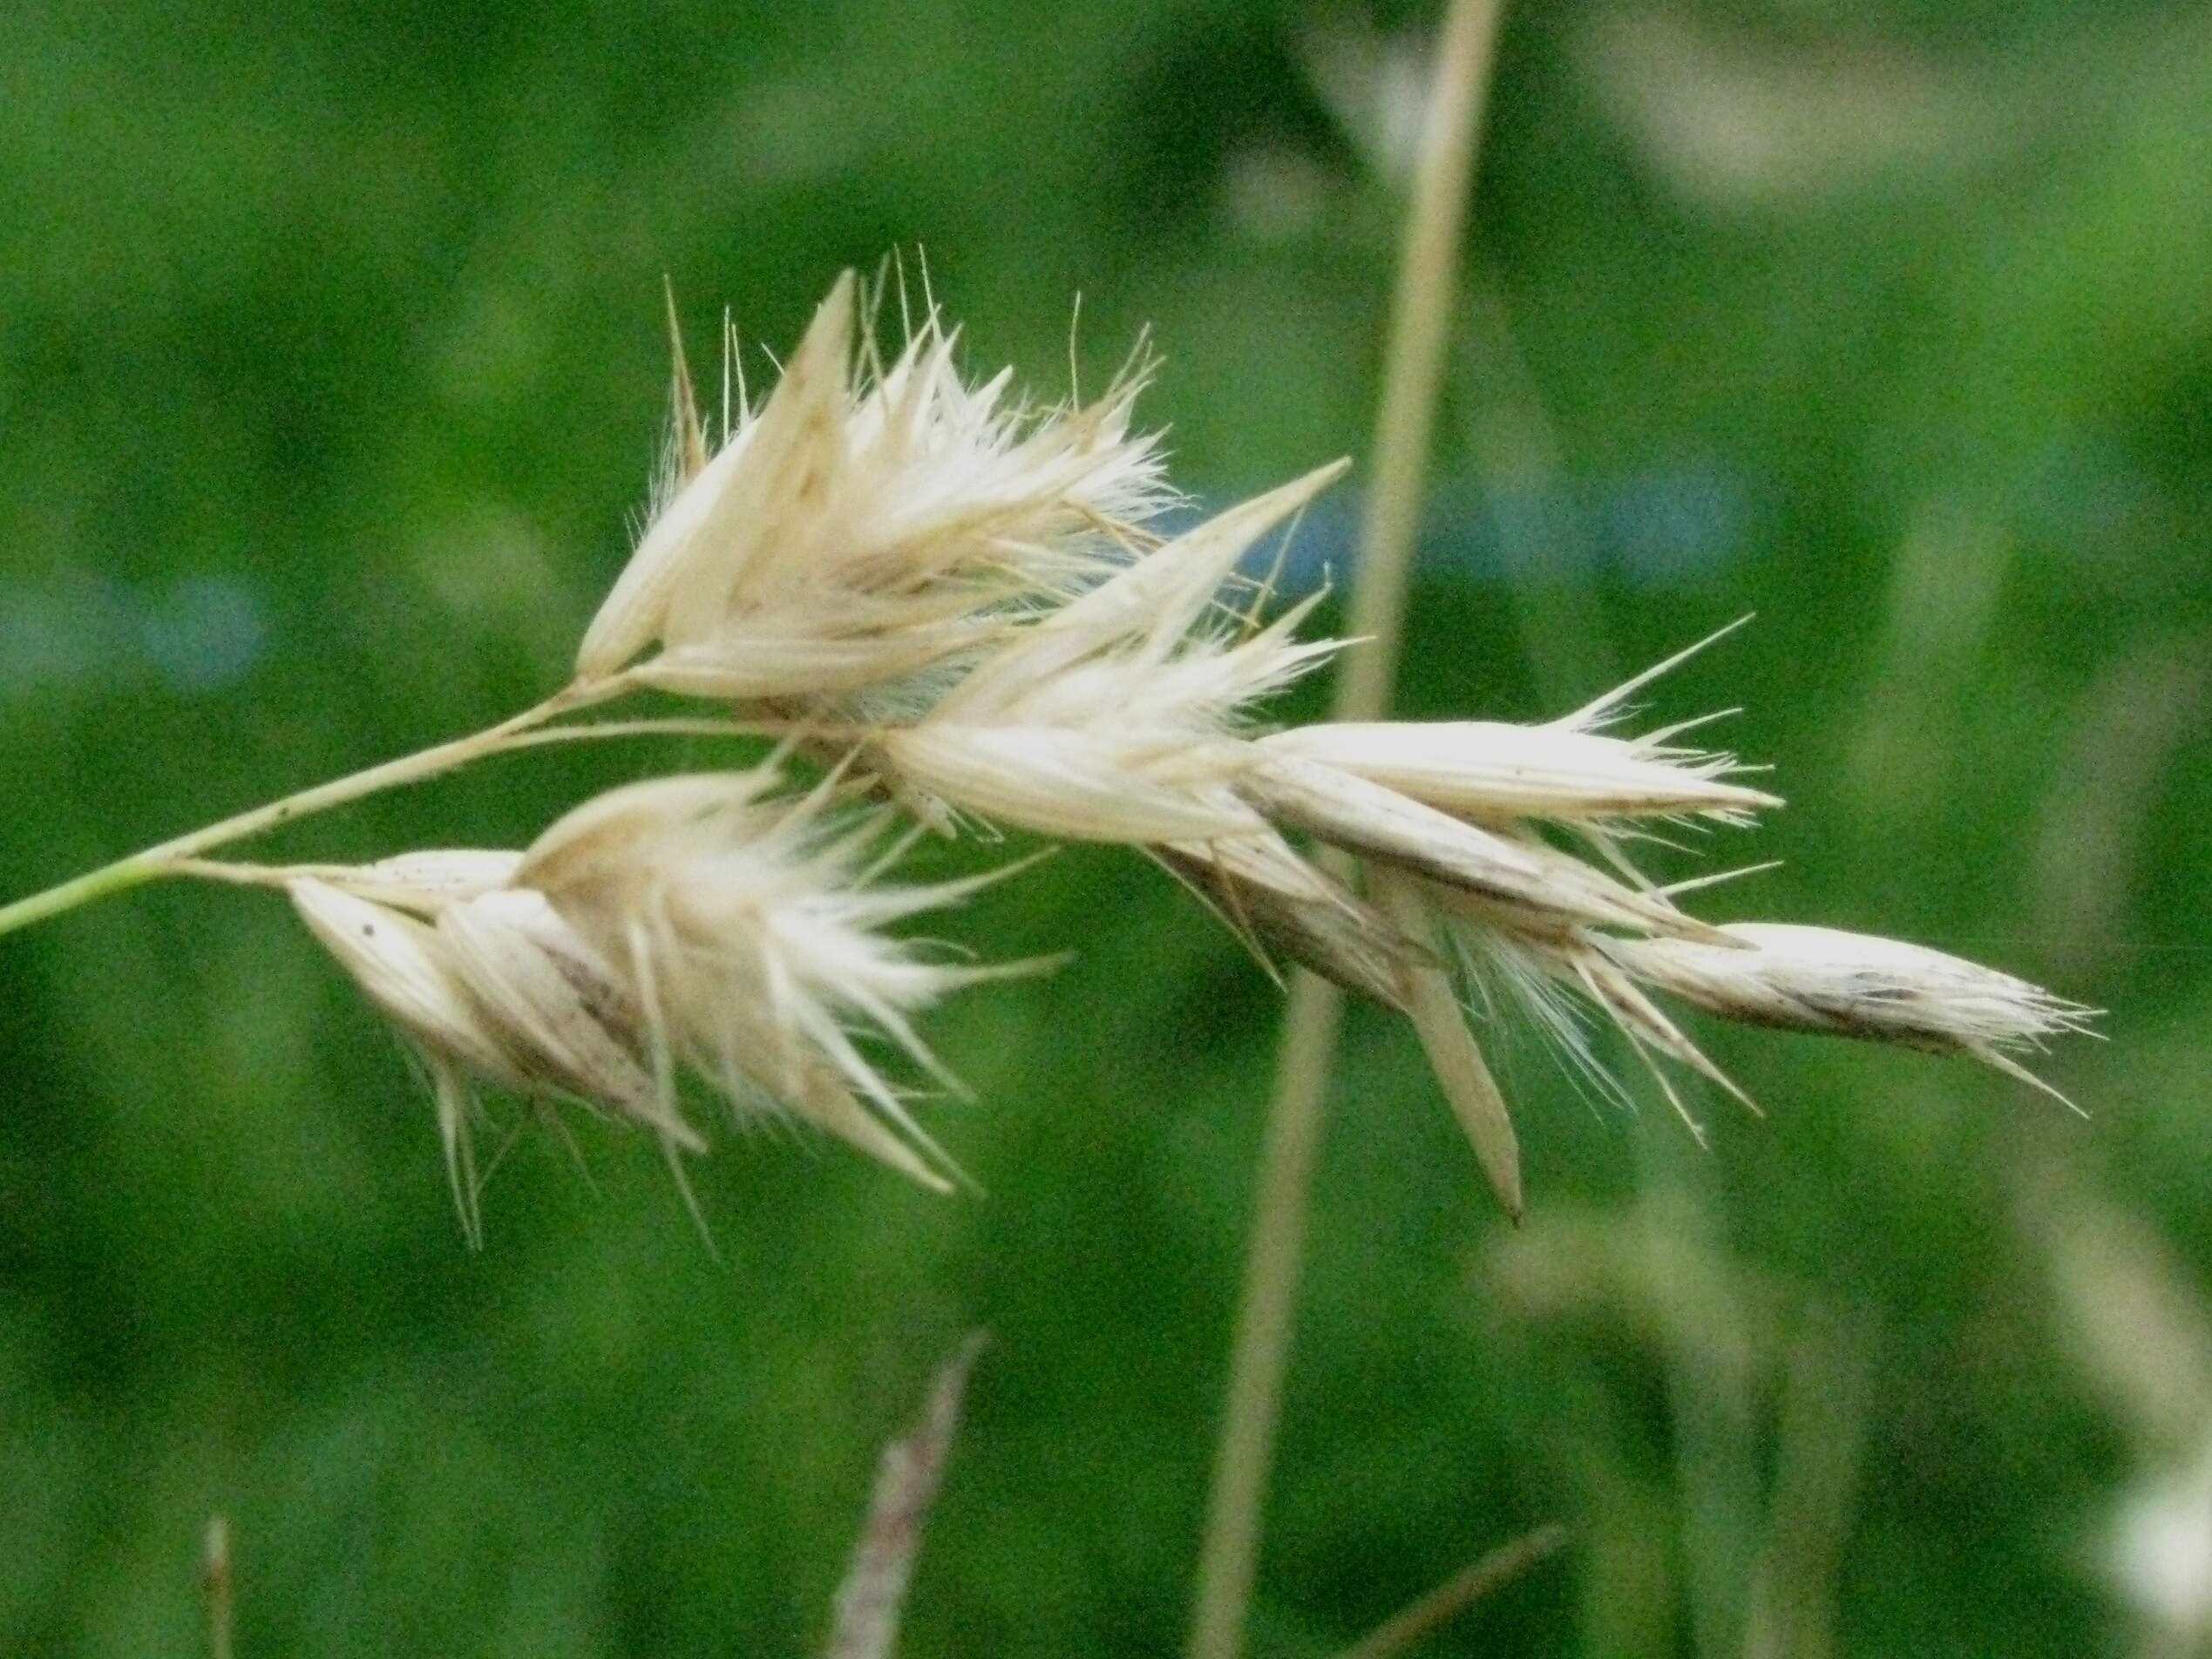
x=155 y=863
x=1458 y=1593
x=1229 y=1558
x=1421 y=317
x=216 y=1577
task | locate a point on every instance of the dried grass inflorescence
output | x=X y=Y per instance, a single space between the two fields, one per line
x=950 y=606
x=703 y=922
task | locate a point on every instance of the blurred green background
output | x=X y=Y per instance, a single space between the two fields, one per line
x=331 y=368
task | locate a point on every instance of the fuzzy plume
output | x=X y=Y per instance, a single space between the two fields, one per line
x=867 y=521
x=749 y=928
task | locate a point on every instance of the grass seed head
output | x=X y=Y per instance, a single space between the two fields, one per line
x=947 y=598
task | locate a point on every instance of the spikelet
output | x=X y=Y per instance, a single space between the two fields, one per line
x=695 y=922
x=495 y=992
x=1858 y=985
x=867 y=521
x=1113 y=718
x=1383 y=826
x=749 y=929
x=1571 y=771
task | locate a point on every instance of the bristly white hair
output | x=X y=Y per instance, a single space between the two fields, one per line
x=1563 y=977
x=698 y=922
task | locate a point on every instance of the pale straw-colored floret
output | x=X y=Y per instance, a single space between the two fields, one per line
x=401 y=966
x=1114 y=718
x=867 y=521
x=407 y=972
x=751 y=927
x=498 y=990
x=550 y=994
x=1773 y=974
x=1571 y=771
x=1492 y=772
x=1856 y=985
x=1383 y=826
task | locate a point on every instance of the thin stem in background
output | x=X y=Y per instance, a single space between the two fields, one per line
x=873 y=1594
x=216 y=1576
x=1421 y=316
x=1458 y=1593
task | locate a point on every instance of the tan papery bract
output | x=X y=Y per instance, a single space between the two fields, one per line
x=554 y=998
x=1378 y=823
x=407 y=972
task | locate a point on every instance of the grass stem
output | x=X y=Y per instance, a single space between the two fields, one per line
x=1421 y=319
x=1458 y=1593
x=216 y=1573
x=155 y=863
